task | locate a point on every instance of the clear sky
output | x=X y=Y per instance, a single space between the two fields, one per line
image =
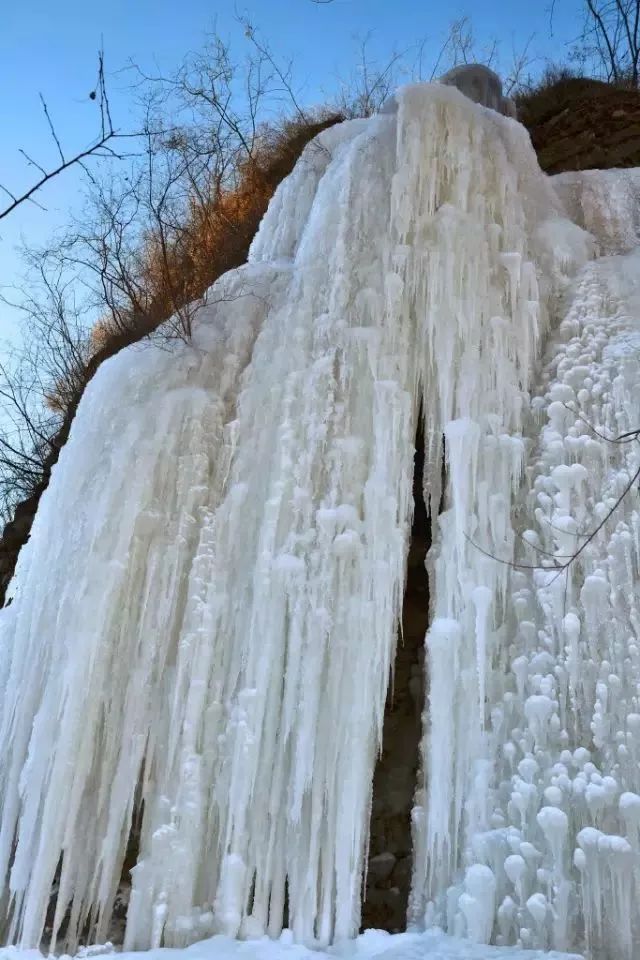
x=50 y=47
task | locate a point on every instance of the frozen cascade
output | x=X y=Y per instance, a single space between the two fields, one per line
x=204 y=620
x=562 y=835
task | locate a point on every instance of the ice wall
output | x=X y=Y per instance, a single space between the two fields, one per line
x=554 y=861
x=204 y=620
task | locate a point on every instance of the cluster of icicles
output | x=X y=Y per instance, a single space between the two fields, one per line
x=204 y=621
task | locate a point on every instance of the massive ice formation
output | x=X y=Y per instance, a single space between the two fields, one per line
x=204 y=620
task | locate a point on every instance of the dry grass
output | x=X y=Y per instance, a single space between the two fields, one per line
x=579 y=123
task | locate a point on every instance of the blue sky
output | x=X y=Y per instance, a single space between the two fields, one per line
x=50 y=48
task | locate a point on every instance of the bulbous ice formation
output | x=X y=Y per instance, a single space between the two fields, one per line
x=481 y=85
x=564 y=749
x=204 y=620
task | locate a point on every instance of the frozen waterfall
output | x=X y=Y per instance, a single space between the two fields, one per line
x=203 y=623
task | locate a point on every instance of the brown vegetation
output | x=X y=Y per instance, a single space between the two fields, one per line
x=178 y=263
x=578 y=123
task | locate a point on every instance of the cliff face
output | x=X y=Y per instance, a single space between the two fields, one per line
x=230 y=607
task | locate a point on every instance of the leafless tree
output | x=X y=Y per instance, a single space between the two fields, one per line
x=370 y=81
x=609 y=41
x=518 y=74
x=143 y=244
x=38 y=378
x=461 y=46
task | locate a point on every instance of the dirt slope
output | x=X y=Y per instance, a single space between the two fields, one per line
x=580 y=124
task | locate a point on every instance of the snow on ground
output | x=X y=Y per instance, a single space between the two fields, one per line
x=371 y=945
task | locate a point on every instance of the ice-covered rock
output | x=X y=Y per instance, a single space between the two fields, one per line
x=481 y=85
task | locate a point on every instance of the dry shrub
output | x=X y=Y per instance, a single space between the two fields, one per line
x=558 y=87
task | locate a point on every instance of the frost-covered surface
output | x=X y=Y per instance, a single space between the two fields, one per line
x=372 y=945
x=564 y=741
x=204 y=620
x=605 y=202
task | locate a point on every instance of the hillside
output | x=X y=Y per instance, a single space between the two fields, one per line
x=582 y=124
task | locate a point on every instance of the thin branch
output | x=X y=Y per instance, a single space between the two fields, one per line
x=589 y=537
x=621 y=438
x=604 y=34
x=100 y=149
x=28 y=194
x=51 y=127
x=32 y=162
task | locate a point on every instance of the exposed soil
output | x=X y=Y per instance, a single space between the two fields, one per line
x=580 y=124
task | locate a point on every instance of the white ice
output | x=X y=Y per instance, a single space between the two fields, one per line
x=204 y=620
x=561 y=835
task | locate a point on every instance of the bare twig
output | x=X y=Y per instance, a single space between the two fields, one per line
x=52 y=128
x=610 y=40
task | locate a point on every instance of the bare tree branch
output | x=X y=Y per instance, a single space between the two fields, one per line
x=610 y=41
x=99 y=148
x=51 y=126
